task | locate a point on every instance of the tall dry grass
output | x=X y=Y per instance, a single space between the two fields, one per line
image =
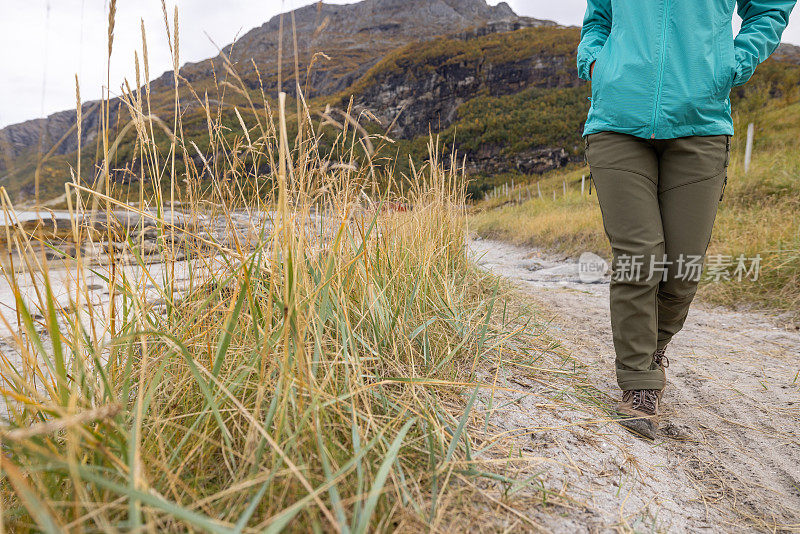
x=309 y=367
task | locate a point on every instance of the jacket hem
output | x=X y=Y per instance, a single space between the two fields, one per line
x=644 y=131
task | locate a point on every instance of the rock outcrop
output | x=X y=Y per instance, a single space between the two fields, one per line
x=787 y=53
x=414 y=101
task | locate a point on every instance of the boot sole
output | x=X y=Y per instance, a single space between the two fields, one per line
x=644 y=428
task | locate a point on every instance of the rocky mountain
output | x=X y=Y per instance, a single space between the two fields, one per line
x=416 y=89
x=787 y=53
x=355 y=37
x=503 y=88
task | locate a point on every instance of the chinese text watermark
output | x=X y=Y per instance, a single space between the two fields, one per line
x=718 y=268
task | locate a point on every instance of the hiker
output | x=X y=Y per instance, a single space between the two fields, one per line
x=657 y=141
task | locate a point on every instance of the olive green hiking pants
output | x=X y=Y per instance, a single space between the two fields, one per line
x=658 y=198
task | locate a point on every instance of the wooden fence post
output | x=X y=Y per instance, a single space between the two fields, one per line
x=748 y=153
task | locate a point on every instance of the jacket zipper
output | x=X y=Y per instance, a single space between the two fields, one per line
x=662 y=55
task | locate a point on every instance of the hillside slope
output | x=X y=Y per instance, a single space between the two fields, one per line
x=500 y=88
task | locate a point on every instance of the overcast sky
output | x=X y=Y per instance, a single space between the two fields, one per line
x=45 y=43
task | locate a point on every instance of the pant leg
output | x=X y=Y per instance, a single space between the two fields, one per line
x=625 y=172
x=692 y=173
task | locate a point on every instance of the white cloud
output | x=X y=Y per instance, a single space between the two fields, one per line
x=42 y=51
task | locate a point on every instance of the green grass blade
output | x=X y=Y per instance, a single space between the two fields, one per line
x=228 y=330
x=380 y=478
x=462 y=423
x=251 y=508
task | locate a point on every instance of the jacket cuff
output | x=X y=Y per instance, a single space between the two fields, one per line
x=585 y=67
x=743 y=73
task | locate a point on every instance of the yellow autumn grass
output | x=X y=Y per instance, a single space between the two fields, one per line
x=297 y=353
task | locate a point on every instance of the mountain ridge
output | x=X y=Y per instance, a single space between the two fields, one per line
x=382 y=26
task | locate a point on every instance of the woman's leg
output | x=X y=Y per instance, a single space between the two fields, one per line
x=692 y=172
x=625 y=171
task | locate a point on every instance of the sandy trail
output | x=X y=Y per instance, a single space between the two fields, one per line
x=728 y=458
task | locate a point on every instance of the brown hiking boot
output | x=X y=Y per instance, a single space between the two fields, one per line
x=660 y=358
x=638 y=411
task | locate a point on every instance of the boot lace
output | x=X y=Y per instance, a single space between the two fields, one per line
x=660 y=358
x=645 y=400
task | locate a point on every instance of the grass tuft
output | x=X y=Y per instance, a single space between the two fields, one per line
x=276 y=345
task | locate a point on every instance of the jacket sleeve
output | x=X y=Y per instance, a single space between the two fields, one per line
x=763 y=22
x=595 y=30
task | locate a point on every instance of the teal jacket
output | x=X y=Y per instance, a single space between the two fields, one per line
x=665 y=68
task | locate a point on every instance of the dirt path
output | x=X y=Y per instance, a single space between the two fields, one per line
x=728 y=459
